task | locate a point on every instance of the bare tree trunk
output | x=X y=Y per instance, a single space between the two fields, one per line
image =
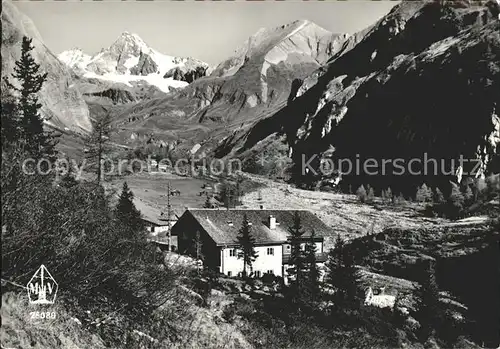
x=96 y=143
x=244 y=266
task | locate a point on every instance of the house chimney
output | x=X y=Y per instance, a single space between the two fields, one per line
x=272 y=222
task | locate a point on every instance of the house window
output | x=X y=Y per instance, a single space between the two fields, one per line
x=232 y=252
x=228 y=273
x=270 y=250
x=152 y=229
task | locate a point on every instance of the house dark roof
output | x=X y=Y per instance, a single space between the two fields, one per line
x=217 y=224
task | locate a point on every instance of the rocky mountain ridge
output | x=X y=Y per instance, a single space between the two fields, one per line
x=129 y=59
x=63 y=106
x=75 y=58
x=405 y=89
x=253 y=83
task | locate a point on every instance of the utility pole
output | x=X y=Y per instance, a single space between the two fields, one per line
x=169 y=215
x=168 y=218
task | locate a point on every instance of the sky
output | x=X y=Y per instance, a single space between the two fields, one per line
x=206 y=30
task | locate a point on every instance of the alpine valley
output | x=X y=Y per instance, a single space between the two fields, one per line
x=289 y=252
x=298 y=88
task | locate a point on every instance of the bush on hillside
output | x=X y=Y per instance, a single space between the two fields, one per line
x=270 y=324
x=75 y=233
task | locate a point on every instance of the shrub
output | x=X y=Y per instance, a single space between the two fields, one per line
x=268 y=279
x=74 y=232
x=229 y=313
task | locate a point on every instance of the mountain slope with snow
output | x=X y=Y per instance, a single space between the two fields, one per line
x=129 y=59
x=75 y=58
x=253 y=83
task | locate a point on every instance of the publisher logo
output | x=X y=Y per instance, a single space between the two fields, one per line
x=42 y=287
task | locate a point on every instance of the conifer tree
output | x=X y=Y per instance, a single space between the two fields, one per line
x=29 y=81
x=388 y=195
x=493 y=186
x=428 y=309
x=419 y=197
x=439 y=197
x=351 y=280
x=468 y=194
x=456 y=201
x=9 y=119
x=334 y=266
x=361 y=193
x=297 y=272
x=370 y=195
x=342 y=276
x=479 y=188
x=247 y=244
x=126 y=212
x=400 y=199
x=335 y=258
x=313 y=272
x=424 y=194
x=384 y=196
x=455 y=195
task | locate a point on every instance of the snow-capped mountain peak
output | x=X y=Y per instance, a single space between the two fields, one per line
x=130 y=58
x=129 y=41
x=74 y=58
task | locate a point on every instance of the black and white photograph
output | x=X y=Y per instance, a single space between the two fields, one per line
x=250 y=174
